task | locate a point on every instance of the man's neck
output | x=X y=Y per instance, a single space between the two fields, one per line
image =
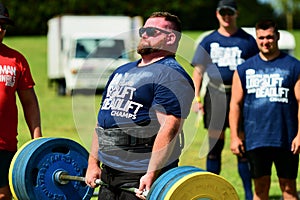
x=153 y=57
x=228 y=31
x=268 y=57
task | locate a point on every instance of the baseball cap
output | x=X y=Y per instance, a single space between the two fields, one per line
x=227 y=4
x=4 y=15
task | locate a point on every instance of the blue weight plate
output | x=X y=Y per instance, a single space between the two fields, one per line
x=16 y=171
x=12 y=171
x=163 y=181
x=47 y=156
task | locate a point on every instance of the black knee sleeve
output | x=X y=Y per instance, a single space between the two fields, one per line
x=242 y=158
x=216 y=146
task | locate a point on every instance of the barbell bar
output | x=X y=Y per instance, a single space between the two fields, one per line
x=54 y=168
x=62 y=177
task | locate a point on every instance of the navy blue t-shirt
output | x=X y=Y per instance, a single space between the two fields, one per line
x=221 y=55
x=270 y=108
x=133 y=94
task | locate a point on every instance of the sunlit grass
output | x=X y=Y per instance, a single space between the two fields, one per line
x=60 y=114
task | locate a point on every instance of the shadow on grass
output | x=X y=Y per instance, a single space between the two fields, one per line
x=276 y=197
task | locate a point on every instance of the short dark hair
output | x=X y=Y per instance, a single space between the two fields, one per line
x=266 y=24
x=175 y=21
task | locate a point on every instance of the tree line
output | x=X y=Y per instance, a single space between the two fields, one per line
x=31 y=16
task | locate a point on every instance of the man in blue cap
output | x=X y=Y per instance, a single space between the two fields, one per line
x=218 y=55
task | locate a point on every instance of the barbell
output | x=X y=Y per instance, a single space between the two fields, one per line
x=62 y=177
x=54 y=168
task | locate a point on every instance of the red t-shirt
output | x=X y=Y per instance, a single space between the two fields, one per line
x=14 y=75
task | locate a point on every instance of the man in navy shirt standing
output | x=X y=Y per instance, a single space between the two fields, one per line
x=142 y=113
x=266 y=96
x=218 y=55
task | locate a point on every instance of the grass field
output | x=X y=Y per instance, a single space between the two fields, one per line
x=75 y=117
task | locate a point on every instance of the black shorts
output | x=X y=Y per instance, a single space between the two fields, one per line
x=117 y=179
x=261 y=160
x=216 y=109
x=6 y=157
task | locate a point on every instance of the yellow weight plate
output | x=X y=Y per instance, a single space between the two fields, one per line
x=10 y=179
x=199 y=185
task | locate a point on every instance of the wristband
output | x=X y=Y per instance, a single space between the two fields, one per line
x=198 y=99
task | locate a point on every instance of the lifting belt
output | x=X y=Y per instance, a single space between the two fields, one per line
x=129 y=138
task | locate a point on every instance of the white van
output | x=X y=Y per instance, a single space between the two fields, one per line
x=287 y=42
x=83 y=51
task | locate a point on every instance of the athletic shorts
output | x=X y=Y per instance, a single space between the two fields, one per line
x=6 y=157
x=261 y=160
x=216 y=109
x=120 y=179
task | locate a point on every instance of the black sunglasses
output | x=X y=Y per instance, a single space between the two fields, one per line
x=228 y=12
x=3 y=26
x=151 y=31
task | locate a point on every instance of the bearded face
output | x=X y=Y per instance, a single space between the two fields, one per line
x=147 y=47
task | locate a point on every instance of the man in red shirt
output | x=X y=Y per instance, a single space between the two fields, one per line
x=15 y=77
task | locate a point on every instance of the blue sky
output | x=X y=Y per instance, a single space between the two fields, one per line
x=276 y=8
x=264 y=1
x=293 y=4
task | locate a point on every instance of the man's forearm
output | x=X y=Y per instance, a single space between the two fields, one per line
x=165 y=141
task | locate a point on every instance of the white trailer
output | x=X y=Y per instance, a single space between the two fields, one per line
x=84 y=50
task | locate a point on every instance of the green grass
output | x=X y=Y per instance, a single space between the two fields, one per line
x=75 y=117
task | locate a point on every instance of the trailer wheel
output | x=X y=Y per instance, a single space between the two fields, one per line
x=61 y=87
x=69 y=92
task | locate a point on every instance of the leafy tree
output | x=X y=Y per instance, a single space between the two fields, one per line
x=288 y=8
x=31 y=16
